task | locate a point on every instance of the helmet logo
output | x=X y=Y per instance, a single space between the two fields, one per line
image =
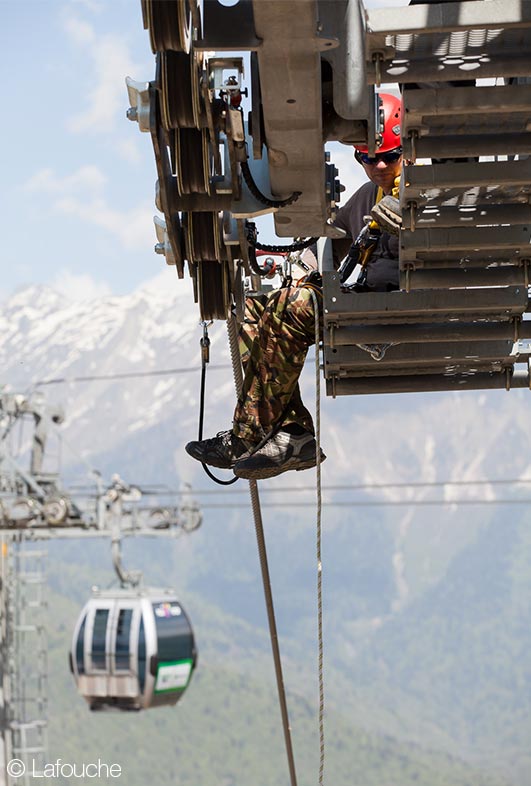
x=396 y=130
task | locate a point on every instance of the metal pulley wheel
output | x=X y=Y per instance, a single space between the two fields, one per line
x=191 y=160
x=169 y=23
x=22 y=512
x=55 y=511
x=203 y=237
x=213 y=289
x=208 y=265
x=179 y=81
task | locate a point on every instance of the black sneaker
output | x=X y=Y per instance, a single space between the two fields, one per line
x=281 y=453
x=222 y=451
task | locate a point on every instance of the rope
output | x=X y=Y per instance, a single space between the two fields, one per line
x=266 y=580
x=205 y=349
x=255 y=191
x=318 y=539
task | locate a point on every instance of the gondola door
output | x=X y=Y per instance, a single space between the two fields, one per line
x=123 y=632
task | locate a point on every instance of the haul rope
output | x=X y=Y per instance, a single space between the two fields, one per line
x=262 y=553
x=318 y=539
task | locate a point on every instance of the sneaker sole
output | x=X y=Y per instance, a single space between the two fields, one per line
x=262 y=473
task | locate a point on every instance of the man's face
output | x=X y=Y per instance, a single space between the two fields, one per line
x=382 y=170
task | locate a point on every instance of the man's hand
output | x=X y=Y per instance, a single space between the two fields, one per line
x=387 y=214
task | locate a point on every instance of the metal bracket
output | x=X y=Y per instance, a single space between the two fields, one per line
x=163 y=245
x=140 y=104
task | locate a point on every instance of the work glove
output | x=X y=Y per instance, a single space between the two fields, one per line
x=387 y=213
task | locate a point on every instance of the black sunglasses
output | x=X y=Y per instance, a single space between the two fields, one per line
x=391 y=157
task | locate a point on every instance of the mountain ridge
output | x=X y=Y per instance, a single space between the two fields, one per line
x=386 y=569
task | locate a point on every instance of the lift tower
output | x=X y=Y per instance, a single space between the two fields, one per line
x=34 y=509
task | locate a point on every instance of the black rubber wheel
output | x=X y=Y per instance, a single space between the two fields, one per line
x=169 y=23
x=203 y=237
x=181 y=100
x=192 y=161
x=213 y=289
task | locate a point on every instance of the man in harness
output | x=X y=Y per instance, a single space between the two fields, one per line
x=274 y=344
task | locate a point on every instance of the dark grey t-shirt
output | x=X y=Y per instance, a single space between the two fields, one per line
x=382 y=268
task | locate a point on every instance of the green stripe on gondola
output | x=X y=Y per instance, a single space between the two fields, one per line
x=168 y=666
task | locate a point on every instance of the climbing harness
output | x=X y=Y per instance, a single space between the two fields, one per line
x=362 y=248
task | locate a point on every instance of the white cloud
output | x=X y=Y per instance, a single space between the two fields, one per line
x=79 y=286
x=128 y=149
x=110 y=61
x=133 y=228
x=79 y=32
x=88 y=178
x=81 y=194
x=91 y=5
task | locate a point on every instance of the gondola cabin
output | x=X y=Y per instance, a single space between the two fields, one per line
x=132 y=649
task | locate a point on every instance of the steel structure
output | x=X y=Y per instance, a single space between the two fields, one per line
x=314 y=67
x=35 y=508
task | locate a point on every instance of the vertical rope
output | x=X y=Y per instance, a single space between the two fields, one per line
x=318 y=544
x=266 y=581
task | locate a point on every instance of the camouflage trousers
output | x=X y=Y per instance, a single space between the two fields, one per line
x=274 y=339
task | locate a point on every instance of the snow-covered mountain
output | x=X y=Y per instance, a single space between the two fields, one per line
x=138 y=425
x=397 y=575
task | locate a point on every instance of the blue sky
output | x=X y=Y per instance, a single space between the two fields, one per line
x=78 y=184
x=77 y=200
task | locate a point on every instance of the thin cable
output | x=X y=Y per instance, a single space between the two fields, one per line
x=124 y=375
x=375 y=503
x=366 y=486
x=91 y=470
x=266 y=579
x=319 y=539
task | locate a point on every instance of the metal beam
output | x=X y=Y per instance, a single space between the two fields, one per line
x=228 y=28
x=447 y=17
x=434 y=69
x=427 y=383
x=290 y=80
x=481 y=214
x=464 y=239
x=426 y=305
x=421 y=105
x=474 y=144
x=436 y=278
x=406 y=358
x=417 y=179
x=426 y=333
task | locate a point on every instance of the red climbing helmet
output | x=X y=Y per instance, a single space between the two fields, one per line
x=392 y=109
